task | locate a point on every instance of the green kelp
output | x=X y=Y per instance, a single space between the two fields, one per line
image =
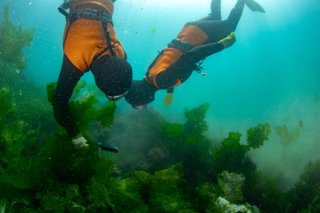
x=201 y=161
x=12 y=41
x=84 y=180
x=6 y=103
x=288 y=135
x=163 y=191
x=187 y=144
x=232 y=156
x=18 y=141
x=23 y=94
x=305 y=196
x=257 y=135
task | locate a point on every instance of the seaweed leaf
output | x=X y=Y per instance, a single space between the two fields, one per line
x=257 y=135
x=12 y=40
x=195 y=123
x=6 y=103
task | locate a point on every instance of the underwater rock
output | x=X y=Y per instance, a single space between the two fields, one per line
x=224 y=206
x=231 y=185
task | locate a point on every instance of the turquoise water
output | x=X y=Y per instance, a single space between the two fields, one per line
x=271 y=74
x=275 y=56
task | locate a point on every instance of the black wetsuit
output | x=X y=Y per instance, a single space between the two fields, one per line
x=103 y=55
x=216 y=29
x=175 y=64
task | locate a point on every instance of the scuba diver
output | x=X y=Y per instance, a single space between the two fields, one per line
x=196 y=41
x=90 y=43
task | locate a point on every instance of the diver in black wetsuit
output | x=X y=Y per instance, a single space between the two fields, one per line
x=196 y=41
x=90 y=43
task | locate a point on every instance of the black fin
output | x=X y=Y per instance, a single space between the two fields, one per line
x=254 y=6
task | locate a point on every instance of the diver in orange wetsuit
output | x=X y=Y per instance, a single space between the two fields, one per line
x=196 y=41
x=90 y=43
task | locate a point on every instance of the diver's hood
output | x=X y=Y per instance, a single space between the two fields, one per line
x=140 y=93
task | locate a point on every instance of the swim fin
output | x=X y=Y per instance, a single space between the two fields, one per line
x=254 y=6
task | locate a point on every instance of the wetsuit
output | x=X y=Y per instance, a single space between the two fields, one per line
x=85 y=41
x=196 y=41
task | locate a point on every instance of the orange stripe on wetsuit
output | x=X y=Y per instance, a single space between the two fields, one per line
x=189 y=33
x=85 y=39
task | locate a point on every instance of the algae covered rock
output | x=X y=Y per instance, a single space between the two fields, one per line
x=222 y=205
x=231 y=185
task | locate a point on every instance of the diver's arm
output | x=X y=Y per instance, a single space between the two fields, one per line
x=201 y=52
x=68 y=78
x=181 y=69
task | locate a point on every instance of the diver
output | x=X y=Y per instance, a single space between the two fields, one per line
x=196 y=41
x=90 y=43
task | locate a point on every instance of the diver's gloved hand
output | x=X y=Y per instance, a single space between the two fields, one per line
x=228 y=41
x=80 y=141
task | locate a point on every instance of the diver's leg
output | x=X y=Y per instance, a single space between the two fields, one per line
x=68 y=78
x=234 y=16
x=217 y=30
x=216 y=10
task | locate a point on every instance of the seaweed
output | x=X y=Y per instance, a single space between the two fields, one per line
x=187 y=144
x=162 y=191
x=257 y=135
x=6 y=103
x=305 y=196
x=12 y=41
x=230 y=155
x=195 y=124
x=288 y=135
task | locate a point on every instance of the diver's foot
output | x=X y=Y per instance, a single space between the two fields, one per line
x=254 y=6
